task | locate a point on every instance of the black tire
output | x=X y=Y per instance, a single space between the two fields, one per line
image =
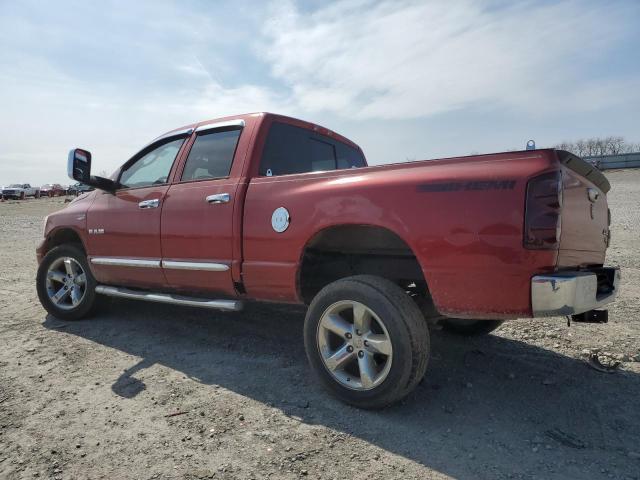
x=407 y=329
x=88 y=301
x=470 y=328
x=22 y=196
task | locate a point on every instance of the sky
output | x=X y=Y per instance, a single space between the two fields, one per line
x=406 y=80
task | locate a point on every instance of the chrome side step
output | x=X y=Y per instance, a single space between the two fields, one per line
x=227 y=305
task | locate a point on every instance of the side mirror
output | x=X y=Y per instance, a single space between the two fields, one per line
x=79 y=169
x=79 y=165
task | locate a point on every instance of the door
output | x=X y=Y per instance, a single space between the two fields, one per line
x=124 y=228
x=197 y=217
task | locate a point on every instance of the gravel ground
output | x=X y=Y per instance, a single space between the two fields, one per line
x=149 y=391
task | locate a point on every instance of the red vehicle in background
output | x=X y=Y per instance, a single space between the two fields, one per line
x=52 y=190
x=271 y=208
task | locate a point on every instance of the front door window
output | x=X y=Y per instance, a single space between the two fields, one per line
x=152 y=168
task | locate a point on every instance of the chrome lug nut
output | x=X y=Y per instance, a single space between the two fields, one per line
x=349 y=349
x=348 y=335
x=360 y=354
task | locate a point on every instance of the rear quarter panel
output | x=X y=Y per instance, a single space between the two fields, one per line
x=463 y=219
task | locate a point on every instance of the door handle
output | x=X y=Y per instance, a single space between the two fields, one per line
x=154 y=203
x=218 y=198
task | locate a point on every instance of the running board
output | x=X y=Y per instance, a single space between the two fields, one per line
x=227 y=305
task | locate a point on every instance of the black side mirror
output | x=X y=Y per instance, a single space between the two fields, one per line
x=79 y=165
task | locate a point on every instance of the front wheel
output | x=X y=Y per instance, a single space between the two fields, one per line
x=366 y=341
x=66 y=287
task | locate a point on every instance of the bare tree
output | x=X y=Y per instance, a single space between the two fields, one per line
x=612 y=145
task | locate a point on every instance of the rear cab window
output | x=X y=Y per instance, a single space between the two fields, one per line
x=290 y=149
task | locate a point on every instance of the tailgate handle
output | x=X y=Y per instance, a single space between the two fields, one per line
x=218 y=198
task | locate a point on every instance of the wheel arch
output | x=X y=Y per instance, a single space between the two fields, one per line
x=62 y=236
x=348 y=249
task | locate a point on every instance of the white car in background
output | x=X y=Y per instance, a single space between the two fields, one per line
x=20 y=191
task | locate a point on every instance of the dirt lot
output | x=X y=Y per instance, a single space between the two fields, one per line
x=93 y=399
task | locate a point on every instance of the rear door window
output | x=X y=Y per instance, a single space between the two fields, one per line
x=290 y=149
x=211 y=155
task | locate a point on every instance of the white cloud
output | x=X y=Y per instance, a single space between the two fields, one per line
x=133 y=72
x=416 y=59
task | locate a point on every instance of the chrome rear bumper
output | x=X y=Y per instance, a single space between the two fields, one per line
x=570 y=293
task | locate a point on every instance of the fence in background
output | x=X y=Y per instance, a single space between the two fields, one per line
x=607 y=162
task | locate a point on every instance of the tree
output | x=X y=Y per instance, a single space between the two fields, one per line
x=590 y=147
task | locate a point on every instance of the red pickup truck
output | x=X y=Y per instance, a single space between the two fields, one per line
x=267 y=207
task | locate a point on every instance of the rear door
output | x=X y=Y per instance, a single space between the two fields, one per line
x=124 y=228
x=198 y=213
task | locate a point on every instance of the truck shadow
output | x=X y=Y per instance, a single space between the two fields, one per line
x=486 y=405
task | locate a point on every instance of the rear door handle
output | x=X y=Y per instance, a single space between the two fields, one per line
x=154 y=203
x=218 y=198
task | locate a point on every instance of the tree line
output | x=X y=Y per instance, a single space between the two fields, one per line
x=591 y=147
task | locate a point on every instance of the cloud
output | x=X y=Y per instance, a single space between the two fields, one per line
x=112 y=76
x=417 y=59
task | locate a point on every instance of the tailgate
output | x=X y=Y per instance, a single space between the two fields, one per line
x=585 y=215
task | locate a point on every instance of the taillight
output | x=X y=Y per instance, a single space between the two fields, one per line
x=542 y=212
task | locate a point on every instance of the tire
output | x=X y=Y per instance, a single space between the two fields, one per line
x=22 y=196
x=66 y=309
x=393 y=316
x=37 y=195
x=470 y=328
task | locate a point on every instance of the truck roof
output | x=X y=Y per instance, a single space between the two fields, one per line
x=273 y=117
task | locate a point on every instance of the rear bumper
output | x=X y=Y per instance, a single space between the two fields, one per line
x=570 y=293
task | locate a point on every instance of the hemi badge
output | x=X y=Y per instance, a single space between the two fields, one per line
x=96 y=231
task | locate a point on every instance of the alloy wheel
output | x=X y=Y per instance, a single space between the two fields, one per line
x=354 y=345
x=66 y=283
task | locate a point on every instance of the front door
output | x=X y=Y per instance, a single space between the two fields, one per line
x=197 y=216
x=124 y=228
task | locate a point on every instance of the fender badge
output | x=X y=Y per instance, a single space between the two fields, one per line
x=280 y=219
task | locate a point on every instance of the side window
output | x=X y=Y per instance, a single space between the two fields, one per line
x=211 y=155
x=153 y=167
x=289 y=149
x=286 y=151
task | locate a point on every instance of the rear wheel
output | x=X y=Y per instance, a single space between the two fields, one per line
x=470 y=328
x=366 y=340
x=66 y=287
